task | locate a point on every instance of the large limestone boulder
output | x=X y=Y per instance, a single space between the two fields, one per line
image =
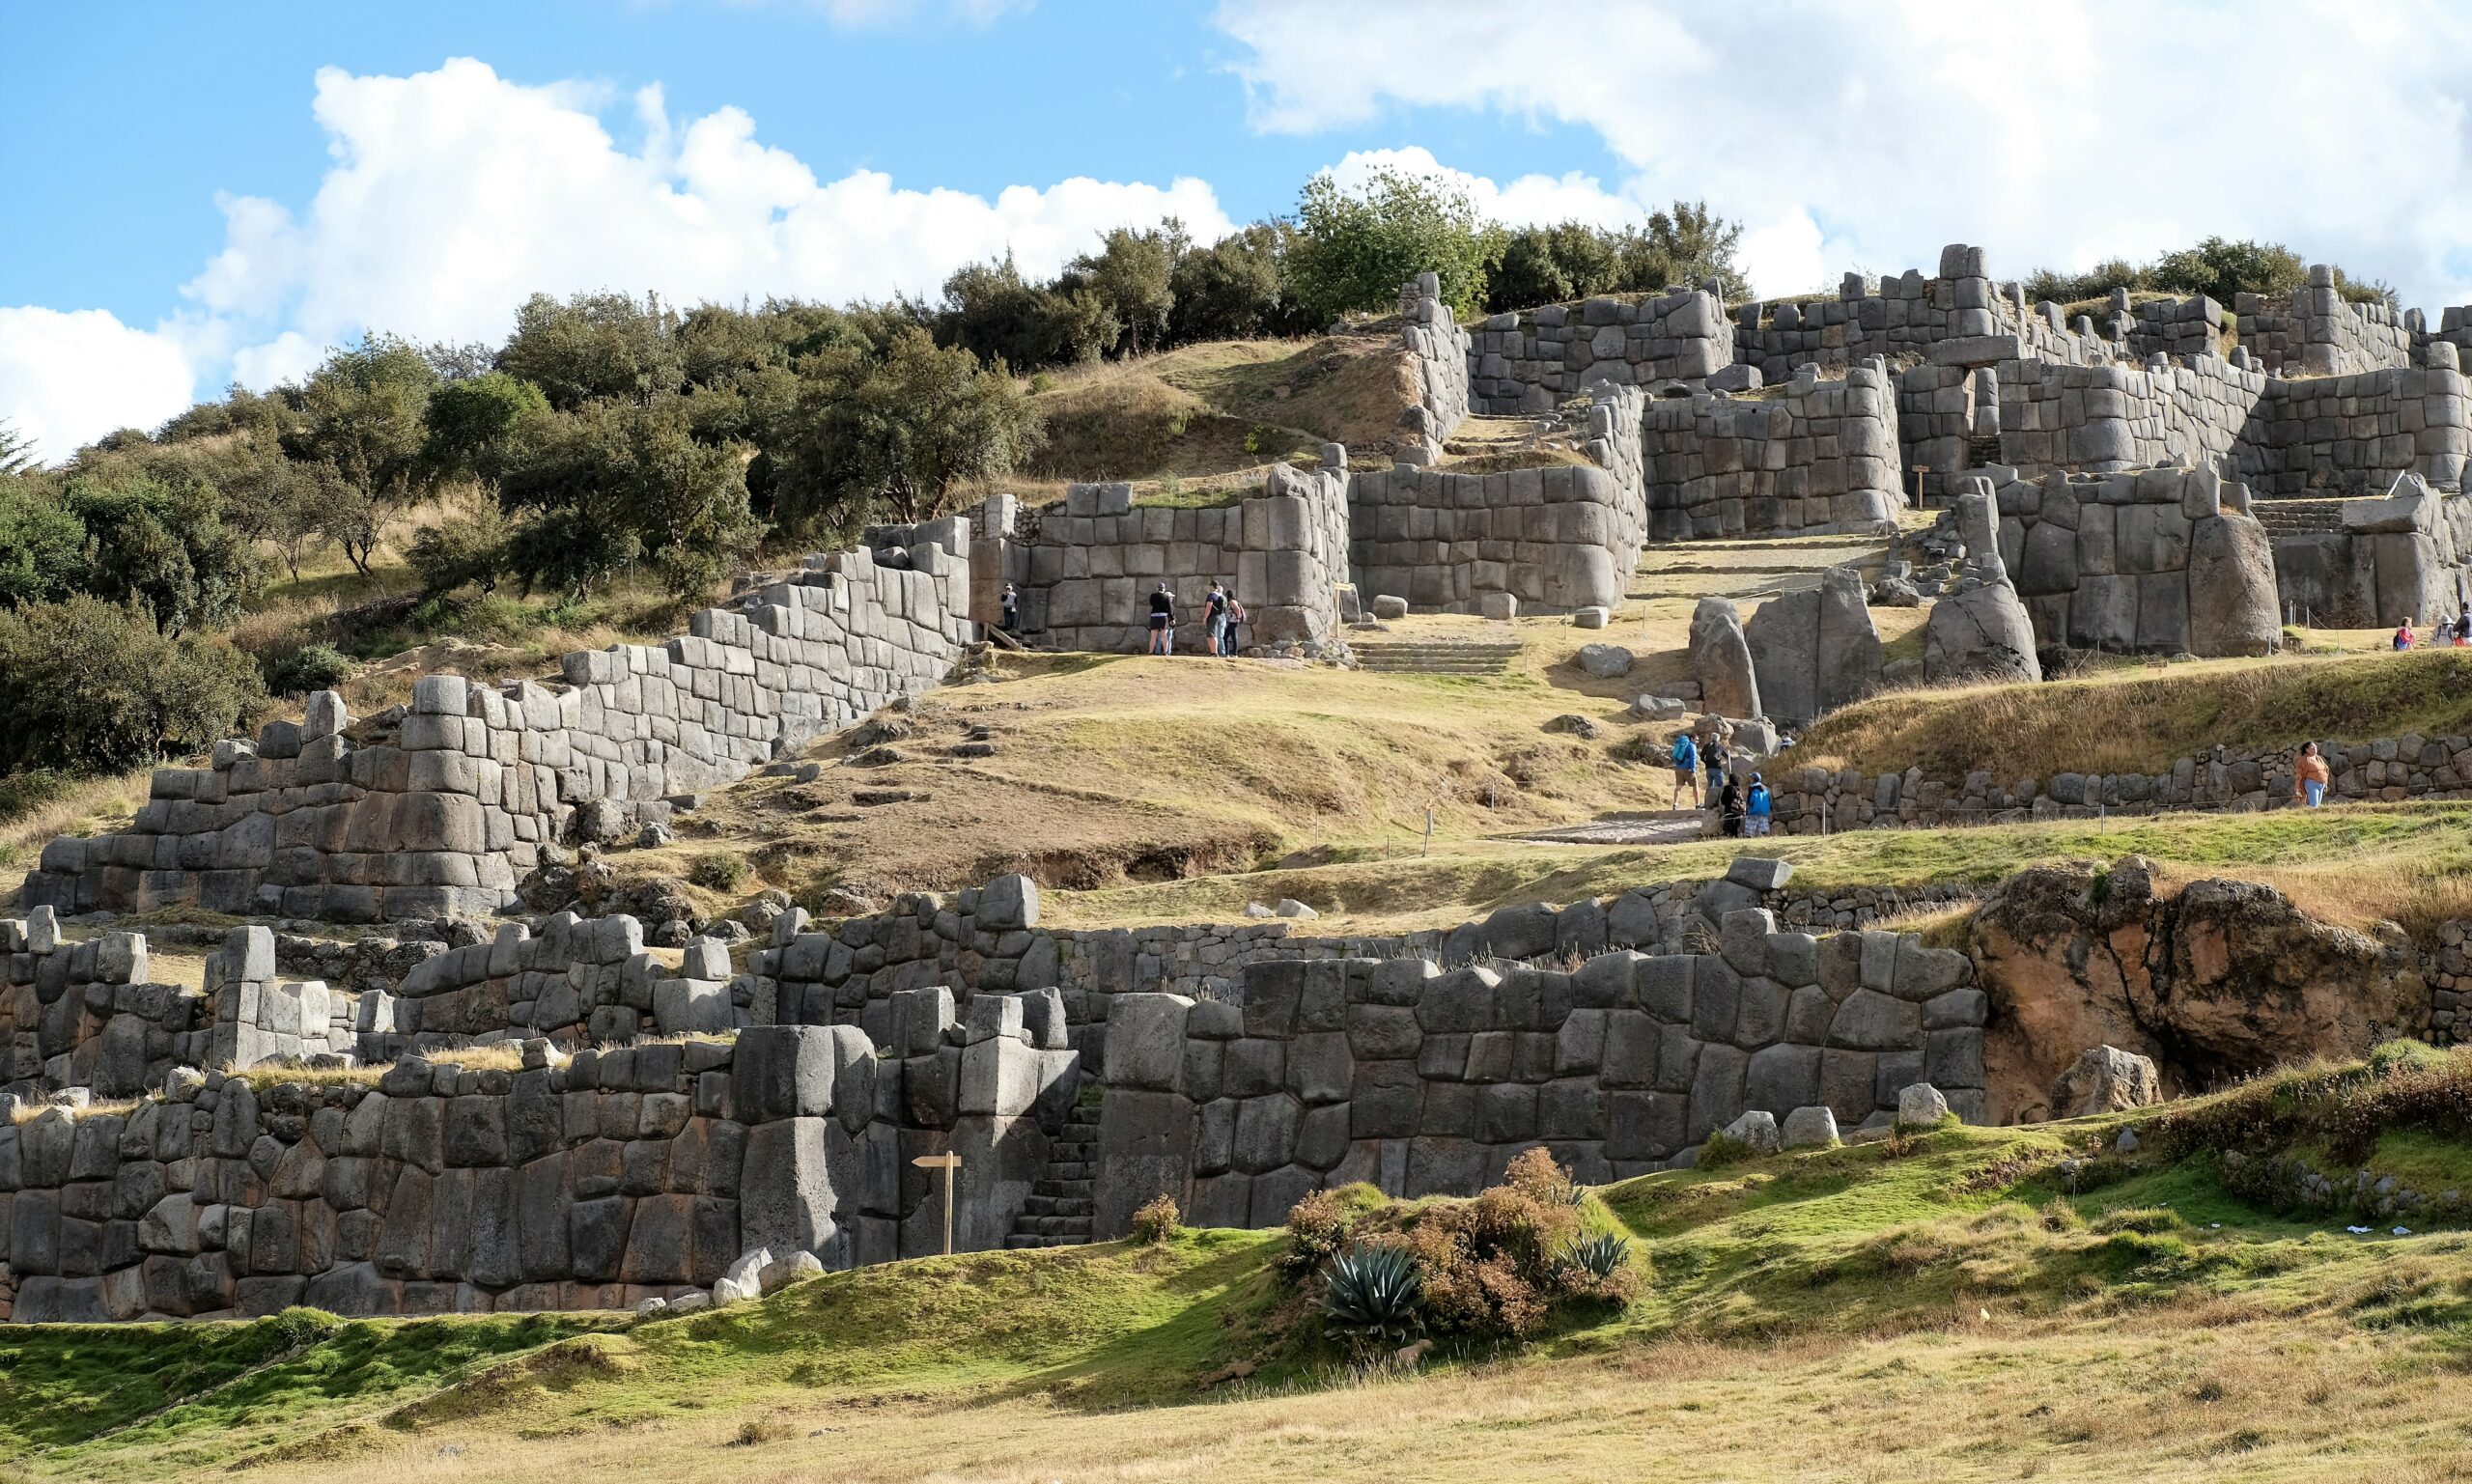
x=1814 y=650
x=1720 y=658
x=2106 y=1080
x=2231 y=588
x=2214 y=981
x=1982 y=633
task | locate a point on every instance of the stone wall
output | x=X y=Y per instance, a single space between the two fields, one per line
x=1424 y=1081
x=2356 y=433
x=2162 y=561
x=2407 y=556
x=1529 y=360
x=1557 y=537
x=1438 y=355
x=593 y=1183
x=2316 y=332
x=1086 y=571
x=438 y=809
x=2044 y=415
x=1817 y=455
x=1901 y=319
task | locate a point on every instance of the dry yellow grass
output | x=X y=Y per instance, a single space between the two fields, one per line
x=2190 y=1393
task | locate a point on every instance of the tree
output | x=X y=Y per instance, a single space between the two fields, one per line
x=16 y=450
x=365 y=417
x=471 y=548
x=1131 y=275
x=991 y=311
x=615 y=479
x=1353 y=249
x=477 y=427
x=160 y=541
x=904 y=428
x=1235 y=288
x=95 y=686
x=595 y=346
x=1687 y=244
x=1552 y=266
x=42 y=547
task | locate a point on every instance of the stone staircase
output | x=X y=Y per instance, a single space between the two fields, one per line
x=1059 y=1209
x=2298 y=517
x=1416 y=656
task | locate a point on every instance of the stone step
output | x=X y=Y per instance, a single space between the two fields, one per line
x=1080 y=1187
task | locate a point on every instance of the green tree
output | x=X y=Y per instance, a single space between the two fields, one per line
x=468 y=547
x=595 y=346
x=365 y=417
x=615 y=479
x=902 y=429
x=1686 y=243
x=1235 y=288
x=42 y=545
x=1353 y=249
x=16 y=450
x=1552 y=266
x=1133 y=275
x=991 y=311
x=95 y=686
x=475 y=428
x=162 y=542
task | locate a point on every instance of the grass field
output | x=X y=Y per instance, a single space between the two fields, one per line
x=1935 y=1306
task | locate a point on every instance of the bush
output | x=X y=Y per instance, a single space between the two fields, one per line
x=1370 y=1298
x=462 y=549
x=94 y=687
x=1600 y=1267
x=1317 y=1228
x=1157 y=1220
x=310 y=667
x=722 y=870
x=1721 y=1149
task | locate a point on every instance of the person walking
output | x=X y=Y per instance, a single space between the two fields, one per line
x=2310 y=776
x=1214 y=620
x=1686 y=771
x=1719 y=758
x=1729 y=814
x=1757 y=806
x=1235 y=621
x=1163 y=621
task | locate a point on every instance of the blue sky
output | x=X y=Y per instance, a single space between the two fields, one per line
x=203 y=192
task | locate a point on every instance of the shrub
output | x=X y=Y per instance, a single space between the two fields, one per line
x=1317 y=1228
x=1599 y=1268
x=723 y=871
x=94 y=687
x=460 y=549
x=1157 y=1220
x=310 y=667
x=1370 y=1295
x=1491 y=1265
x=1721 y=1149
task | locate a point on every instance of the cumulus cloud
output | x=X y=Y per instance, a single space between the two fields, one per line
x=2053 y=134
x=67 y=379
x=456 y=193
x=1528 y=200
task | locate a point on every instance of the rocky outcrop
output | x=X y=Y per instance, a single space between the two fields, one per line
x=1979 y=633
x=1721 y=658
x=2106 y=1080
x=2213 y=981
x=1814 y=650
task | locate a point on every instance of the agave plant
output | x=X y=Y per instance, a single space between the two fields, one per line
x=1369 y=1297
x=1600 y=1256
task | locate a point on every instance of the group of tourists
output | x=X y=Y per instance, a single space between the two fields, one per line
x=1742 y=808
x=2456 y=632
x=1221 y=615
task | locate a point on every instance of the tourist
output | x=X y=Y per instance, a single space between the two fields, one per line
x=2463 y=627
x=1214 y=620
x=1729 y=807
x=1719 y=760
x=1235 y=619
x=2310 y=777
x=1686 y=771
x=1011 y=622
x=1163 y=621
x=1757 y=807
x=2404 y=638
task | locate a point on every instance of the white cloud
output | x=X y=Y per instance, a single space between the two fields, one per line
x=67 y=379
x=456 y=193
x=2052 y=134
x=1528 y=200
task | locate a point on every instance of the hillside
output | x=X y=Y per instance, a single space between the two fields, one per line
x=1940 y=1304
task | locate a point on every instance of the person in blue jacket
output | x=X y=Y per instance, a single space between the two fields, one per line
x=1686 y=771
x=1756 y=806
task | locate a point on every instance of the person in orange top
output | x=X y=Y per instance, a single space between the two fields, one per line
x=2309 y=776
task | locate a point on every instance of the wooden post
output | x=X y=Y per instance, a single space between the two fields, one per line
x=948 y=1161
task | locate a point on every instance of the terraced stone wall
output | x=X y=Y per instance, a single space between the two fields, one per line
x=1531 y=359
x=438 y=810
x=1901 y=319
x=2315 y=331
x=2355 y=435
x=1818 y=456
x=1438 y=355
x=1422 y=1081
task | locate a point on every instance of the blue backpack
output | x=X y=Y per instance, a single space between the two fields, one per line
x=1686 y=753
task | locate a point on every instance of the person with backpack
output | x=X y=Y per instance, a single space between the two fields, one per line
x=2310 y=776
x=2404 y=638
x=1686 y=771
x=1235 y=621
x=1729 y=815
x=1163 y=621
x=1214 y=620
x=1717 y=758
x=1757 y=806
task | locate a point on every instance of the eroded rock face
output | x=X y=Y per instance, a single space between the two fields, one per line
x=1720 y=658
x=2106 y=1080
x=2216 y=980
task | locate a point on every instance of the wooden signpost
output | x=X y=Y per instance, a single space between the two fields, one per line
x=948 y=1161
